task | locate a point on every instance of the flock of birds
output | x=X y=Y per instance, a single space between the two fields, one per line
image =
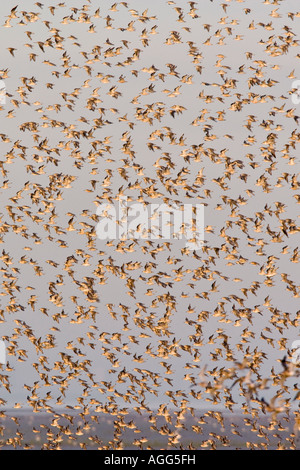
x=111 y=101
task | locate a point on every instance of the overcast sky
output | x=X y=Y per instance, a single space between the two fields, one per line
x=228 y=137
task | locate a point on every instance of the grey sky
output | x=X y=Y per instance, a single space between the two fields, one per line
x=189 y=300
